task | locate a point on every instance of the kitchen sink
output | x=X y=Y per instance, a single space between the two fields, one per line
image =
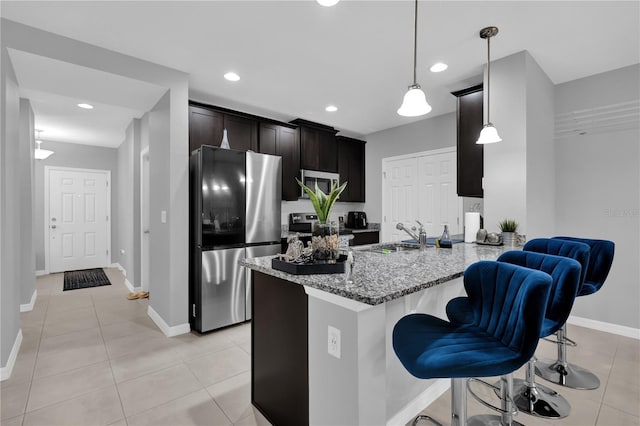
x=394 y=248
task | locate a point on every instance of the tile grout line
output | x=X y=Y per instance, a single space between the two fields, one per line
x=35 y=363
x=115 y=383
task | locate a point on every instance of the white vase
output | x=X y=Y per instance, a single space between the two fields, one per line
x=225 y=140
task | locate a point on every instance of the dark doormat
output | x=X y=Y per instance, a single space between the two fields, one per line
x=85 y=278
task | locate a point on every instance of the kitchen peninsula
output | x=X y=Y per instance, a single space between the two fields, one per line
x=321 y=348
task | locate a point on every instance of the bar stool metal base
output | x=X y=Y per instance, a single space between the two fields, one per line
x=490 y=420
x=540 y=400
x=571 y=375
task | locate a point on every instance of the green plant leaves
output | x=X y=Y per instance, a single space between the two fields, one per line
x=508 y=225
x=323 y=203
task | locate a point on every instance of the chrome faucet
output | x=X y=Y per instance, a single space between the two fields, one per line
x=421 y=237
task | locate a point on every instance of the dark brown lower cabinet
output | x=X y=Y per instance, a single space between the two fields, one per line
x=279 y=350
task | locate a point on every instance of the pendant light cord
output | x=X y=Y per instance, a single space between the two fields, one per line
x=415 y=41
x=488 y=79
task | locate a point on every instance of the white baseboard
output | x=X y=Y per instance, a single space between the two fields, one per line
x=41 y=273
x=426 y=398
x=620 y=330
x=119 y=266
x=127 y=283
x=5 y=372
x=130 y=286
x=29 y=306
x=164 y=327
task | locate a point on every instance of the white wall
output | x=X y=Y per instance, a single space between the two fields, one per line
x=123 y=253
x=81 y=157
x=598 y=196
x=27 y=197
x=541 y=178
x=10 y=209
x=519 y=171
x=425 y=135
x=174 y=190
x=505 y=167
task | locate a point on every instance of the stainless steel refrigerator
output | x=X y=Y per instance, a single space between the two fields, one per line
x=235 y=213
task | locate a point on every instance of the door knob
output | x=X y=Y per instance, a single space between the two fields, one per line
x=53 y=227
x=146 y=231
x=53 y=219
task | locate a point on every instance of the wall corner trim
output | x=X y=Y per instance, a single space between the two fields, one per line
x=131 y=287
x=120 y=268
x=621 y=330
x=164 y=327
x=409 y=411
x=29 y=306
x=5 y=372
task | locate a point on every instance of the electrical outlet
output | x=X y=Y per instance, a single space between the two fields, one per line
x=333 y=342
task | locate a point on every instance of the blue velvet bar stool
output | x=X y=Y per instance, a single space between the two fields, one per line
x=560 y=371
x=529 y=397
x=507 y=303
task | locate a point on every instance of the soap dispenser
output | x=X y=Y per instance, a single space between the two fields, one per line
x=445 y=239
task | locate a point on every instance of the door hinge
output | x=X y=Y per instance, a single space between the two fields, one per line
x=107 y=252
x=107 y=218
x=193 y=310
x=458 y=220
x=385 y=219
x=384 y=175
x=107 y=183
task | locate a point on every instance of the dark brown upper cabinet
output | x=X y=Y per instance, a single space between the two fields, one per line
x=206 y=125
x=351 y=168
x=469 y=120
x=284 y=141
x=318 y=146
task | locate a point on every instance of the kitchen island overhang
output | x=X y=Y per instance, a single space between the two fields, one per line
x=294 y=378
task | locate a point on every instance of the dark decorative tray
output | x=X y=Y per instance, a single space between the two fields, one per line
x=309 y=268
x=487 y=243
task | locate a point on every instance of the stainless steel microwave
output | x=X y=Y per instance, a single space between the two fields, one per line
x=323 y=179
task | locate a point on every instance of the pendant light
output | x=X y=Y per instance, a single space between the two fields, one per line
x=39 y=153
x=488 y=134
x=414 y=103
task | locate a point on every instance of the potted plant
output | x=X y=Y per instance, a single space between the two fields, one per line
x=324 y=240
x=509 y=228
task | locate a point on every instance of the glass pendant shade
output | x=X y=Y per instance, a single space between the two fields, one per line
x=41 y=154
x=414 y=103
x=489 y=134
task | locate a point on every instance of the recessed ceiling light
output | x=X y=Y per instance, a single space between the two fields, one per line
x=85 y=106
x=438 y=67
x=327 y=3
x=232 y=76
x=331 y=108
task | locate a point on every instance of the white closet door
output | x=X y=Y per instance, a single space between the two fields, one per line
x=401 y=187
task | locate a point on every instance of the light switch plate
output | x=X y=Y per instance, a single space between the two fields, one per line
x=163 y=216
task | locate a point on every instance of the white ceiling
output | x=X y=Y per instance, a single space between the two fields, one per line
x=296 y=57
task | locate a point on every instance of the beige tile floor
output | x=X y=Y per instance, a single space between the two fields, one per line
x=92 y=357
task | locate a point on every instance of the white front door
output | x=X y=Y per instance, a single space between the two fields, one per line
x=401 y=204
x=438 y=205
x=78 y=221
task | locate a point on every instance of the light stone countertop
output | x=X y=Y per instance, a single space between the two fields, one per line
x=379 y=278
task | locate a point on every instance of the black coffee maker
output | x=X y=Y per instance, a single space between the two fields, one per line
x=356 y=220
